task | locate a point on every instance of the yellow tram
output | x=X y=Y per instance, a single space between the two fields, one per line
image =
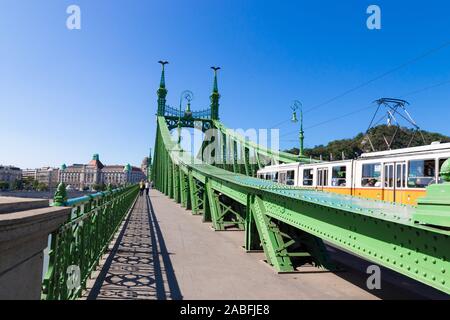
x=399 y=175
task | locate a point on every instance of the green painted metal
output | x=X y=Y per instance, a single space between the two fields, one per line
x=162 y=91
x=193 y=194
x=271 y=239
x=149 y=164
x=215 y=96
x=301 y=135
x=433 y=208
x=291 y=223
x=276 y=155
x=282 y=246
x=184 y=192
x=445 y=171
x=235 y=156
x=213 y=206
x=84 y=238
x=60 y=195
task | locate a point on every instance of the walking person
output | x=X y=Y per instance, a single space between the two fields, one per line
x=141 y=187
x=147 y=187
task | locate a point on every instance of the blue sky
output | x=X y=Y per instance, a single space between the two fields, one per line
x=65 y=95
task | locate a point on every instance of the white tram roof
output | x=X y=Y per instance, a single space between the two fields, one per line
x=435 y=147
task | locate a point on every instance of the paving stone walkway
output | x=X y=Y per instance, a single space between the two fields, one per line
x=135 y=267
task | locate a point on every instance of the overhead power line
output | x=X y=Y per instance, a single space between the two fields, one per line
x=417 y=91
x=425 y=89
x=330 y=120
x=401 y=66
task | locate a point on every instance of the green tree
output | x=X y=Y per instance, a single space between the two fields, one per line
x=4 y=185
x=354 y=147
x=17 y=185
x=35 y=184
x=99 y=187
x=41 y=187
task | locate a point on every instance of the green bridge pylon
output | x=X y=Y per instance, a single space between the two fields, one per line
x=291 y=224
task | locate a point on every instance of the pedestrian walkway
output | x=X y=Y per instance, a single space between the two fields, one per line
x=138 y=266
x=164 y=252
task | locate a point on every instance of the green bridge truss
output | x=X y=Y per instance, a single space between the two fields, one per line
x=290 y=223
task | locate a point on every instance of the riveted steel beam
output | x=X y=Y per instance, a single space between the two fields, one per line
x=380 y=232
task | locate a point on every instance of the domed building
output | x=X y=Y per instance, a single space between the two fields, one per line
x=85 y=176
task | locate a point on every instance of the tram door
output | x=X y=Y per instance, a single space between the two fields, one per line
x=400 y=182
x=394 y=181
x=322 y=178
x=388 y=183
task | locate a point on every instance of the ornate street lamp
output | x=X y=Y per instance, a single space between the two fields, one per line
x=295 y=106
x=188 y=96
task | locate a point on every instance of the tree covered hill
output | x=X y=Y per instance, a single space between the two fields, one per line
x=352 y=148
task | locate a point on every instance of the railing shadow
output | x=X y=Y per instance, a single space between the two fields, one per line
x=133 y=269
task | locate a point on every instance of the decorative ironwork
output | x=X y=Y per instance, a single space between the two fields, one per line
x=173 y=112
x=80 y=243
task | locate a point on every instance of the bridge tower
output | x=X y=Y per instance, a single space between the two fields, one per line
x=162 y=91
x=215 y=96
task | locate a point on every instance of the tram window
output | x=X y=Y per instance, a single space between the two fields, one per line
x=282 y=179
x=441 y=162
x=371 y=175
x=421 y=173
x=308 y=177
x=339 y=178
x=389 y=176
x=275 y=177
x=401 y=175
x=290 y=178
x=322 y=177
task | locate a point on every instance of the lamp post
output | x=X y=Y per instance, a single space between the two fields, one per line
x=188 y=96
x=295 y=106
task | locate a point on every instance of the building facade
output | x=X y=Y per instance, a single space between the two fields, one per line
x=10 y=174
x=87 y=176
x=46 y=175
x=146 y=165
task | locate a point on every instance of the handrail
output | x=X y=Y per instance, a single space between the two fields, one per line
x=77 y=246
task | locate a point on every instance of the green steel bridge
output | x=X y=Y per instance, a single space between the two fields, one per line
x=288 y=223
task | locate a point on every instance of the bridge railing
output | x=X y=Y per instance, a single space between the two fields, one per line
x=78 y=245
